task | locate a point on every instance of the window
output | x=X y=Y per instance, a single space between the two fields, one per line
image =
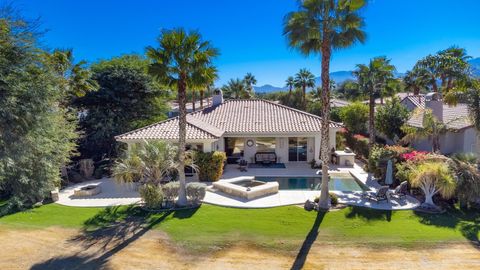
x=297 y=149
x=266 y=144
x=234 y=147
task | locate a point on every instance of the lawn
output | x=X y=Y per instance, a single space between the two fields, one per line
x=212 y=226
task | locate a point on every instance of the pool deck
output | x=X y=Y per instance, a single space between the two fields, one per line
x=114 y=194
x=296 y=197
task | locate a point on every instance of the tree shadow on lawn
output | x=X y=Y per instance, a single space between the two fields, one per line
x=368 y=214
x=111 y=230
x=308 y=242
x=467 y=221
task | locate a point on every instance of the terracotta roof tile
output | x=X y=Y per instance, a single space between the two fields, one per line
x=234 y=117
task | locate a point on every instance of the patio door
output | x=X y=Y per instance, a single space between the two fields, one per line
x=297 y=149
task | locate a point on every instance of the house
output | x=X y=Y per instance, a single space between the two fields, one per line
x=338 y=103
x=243 y=128
x=461 y=137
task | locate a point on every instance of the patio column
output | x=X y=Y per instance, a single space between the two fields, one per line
x=207 y=147
x=316 y=151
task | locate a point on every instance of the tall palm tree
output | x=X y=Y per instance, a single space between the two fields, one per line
x=179 y=56
x=250 y=81
x=373 y=79
x=290 y=83
x=236 y=89
x=318 y=27
x=303 y=79
x=415 y=80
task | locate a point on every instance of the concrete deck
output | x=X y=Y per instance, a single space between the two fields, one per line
x=114 y=194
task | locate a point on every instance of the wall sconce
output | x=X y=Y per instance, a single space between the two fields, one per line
x=310 y=150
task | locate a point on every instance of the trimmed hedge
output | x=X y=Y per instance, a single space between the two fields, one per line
x=210 y=165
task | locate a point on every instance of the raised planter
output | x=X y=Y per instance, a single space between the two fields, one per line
x=254 y=190
x=89 y=190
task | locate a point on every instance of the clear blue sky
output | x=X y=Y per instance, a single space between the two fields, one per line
x=249 y=32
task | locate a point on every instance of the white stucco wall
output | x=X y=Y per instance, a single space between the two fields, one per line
x=249 y=151
x=281 y=149
x=463 y=141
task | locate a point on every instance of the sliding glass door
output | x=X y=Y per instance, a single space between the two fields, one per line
x=297 y=149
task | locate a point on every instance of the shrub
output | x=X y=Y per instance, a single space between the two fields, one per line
x=354 y=117
x=210 y=165
x=358 y=143
x=333 y=198
x=170 y=191
x=340 y=140
x=196 y=192
x=379 y=156
x=403 y=170
x=151 y=195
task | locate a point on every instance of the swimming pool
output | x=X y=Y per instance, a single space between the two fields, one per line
x=338 y=182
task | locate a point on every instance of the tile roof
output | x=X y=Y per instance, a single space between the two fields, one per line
x=418 y=100
x=338 y=103
x=455 y=117
x=234 y=117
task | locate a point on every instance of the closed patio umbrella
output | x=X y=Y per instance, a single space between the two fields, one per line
x=389 y=174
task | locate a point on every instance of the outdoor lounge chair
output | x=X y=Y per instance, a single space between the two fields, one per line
x=401 y=191
x=242 y=165
x=380 y=195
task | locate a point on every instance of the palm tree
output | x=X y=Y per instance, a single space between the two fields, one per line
x=236 y=89
x=415 y=80
x=202 y=79
x=318 y=27
x=373 y=79
x=250 y=81
x=303 y=79
x=290 y=83
x=76 y=80
x=468 y=178
x=175 y=62
x=432 y=129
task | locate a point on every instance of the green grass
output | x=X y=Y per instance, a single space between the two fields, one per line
x=211 y=226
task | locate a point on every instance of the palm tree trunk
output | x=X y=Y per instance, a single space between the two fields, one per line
x=449 y=84
x=324 y=202
x=371 y=123
x=182 y=134
x=201 y=98
x=304 y=101
x=416 y=90
x=434 y=84
x=193 y=99
x=289 y=92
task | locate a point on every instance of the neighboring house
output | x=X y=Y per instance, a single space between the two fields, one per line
x=338 y=103
x=241 y=128
x=461 y=136
x=174 y=106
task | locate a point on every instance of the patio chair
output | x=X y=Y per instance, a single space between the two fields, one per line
x=401 y=191
x=380 y=195
x=242 y=165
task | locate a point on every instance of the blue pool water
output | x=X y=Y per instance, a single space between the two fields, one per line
x=338 y=182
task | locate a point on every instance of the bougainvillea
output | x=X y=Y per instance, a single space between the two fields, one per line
x=414 y=155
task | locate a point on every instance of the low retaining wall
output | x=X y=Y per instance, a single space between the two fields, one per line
x=247 y=193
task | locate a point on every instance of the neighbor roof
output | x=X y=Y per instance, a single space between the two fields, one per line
x=234 y=117
x=454 y=117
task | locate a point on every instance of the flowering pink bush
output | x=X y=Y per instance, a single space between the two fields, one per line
x=414 y=155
